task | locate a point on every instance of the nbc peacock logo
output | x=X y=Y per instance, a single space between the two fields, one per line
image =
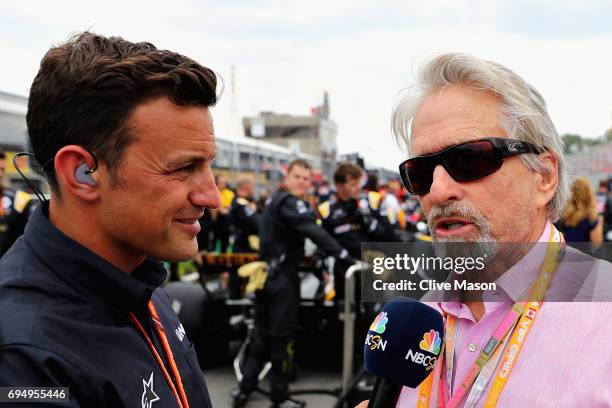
x=379 y=324
x=431 y=342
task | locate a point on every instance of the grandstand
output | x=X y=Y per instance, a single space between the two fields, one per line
x=594 y=163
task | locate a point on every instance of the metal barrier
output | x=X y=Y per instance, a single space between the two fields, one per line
x=348 y=317
x=350 y=307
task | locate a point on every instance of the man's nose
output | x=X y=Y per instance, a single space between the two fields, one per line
x=205 y=193
x=444 y=188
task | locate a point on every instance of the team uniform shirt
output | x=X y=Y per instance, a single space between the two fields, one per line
x=353 y=222
x=246 y=222
x=65 y=322
x=15 y=209
x=286 y=222
x=390 y=207
x=553 y=368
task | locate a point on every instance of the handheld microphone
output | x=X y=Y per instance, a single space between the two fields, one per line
x=401 y=348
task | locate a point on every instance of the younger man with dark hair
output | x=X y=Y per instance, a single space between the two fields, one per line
x=79 y=294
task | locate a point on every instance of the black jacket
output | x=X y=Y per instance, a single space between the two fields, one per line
x=285 y=224
x=64 y=322
x=246 y=222
x=353 y=222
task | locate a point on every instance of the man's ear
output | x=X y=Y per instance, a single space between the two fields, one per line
x=546 y=183
x=72 y=164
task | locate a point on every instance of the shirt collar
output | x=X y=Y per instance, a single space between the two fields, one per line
x=86 y=272
x=516 y=280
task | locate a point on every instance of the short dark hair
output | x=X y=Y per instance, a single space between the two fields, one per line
x=372 y=183
x=299 y=162
x=346 y=170
x=87 y=88
x=2 y=155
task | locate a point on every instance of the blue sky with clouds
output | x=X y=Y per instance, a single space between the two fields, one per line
x=286 y=53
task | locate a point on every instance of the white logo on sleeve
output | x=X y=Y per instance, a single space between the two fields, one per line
x=176 y=306
x=148 y=395
x=301 y=207
x=180 y=332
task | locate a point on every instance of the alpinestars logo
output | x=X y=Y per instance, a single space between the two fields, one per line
x=180 y=332
x=148 y=395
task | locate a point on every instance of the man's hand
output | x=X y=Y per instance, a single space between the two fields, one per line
x=363 y=404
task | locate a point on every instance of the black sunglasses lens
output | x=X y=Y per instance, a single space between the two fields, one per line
x=464 y=162
x=472 y=161
x=417 y=175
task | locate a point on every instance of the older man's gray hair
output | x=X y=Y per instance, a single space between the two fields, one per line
x=525 y=115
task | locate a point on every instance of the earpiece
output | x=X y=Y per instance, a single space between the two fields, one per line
x=83 y=175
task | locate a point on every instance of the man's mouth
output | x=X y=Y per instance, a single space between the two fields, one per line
x=190 y=225
x=452 y=226
x=187 y=220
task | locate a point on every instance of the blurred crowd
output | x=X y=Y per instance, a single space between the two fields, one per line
x=586 y=220
x=587 y=217
x=220 y=226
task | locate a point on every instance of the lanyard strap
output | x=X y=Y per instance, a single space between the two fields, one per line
x=181 y=397
x=485 y=375
x=554 y=255
x=481 y=380
x=485 y=355
x=480 y=373
x=449 y=349
x=511 y=354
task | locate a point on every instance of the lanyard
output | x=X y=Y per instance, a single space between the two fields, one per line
x=181 y=397
x=480 y=373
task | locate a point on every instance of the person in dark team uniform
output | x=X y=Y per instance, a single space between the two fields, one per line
x=245 y=221
x=221 y=220
x=15 y=209
x=353 y=217
x=245 y=217
x=128 y=136
x=286 y=222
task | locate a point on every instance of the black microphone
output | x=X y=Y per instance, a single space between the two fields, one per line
x=401 y=348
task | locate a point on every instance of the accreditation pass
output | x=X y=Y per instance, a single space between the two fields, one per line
x=34 y=394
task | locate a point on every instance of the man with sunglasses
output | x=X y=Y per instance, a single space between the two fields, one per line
x=487 y=166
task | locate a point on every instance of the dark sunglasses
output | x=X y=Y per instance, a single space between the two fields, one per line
x=464 y=162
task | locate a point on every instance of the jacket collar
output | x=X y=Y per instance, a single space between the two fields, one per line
x=87 y=273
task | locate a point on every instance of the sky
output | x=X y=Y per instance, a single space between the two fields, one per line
x=364 y=53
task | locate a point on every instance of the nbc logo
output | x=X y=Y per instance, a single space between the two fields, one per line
x=431 y=342
x=379 y=324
